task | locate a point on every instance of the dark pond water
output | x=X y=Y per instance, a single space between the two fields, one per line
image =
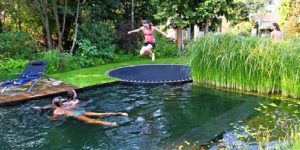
x=160 y=117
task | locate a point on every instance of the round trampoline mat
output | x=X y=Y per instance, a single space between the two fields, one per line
x=153 y=74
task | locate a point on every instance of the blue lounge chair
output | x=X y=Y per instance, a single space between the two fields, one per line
x=32 y=73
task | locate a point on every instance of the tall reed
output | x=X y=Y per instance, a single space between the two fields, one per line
x=247 y=64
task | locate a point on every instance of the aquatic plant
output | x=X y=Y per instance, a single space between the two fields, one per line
x=247 y=64
x=272 y=128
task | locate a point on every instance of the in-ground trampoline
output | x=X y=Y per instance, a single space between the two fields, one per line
x=153 y=74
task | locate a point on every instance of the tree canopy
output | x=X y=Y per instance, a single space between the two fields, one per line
x=289 y=16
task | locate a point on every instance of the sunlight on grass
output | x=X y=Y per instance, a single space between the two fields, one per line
x=97 y=75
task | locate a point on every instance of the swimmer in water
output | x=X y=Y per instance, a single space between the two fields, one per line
x=71 y=101
x=81 y=114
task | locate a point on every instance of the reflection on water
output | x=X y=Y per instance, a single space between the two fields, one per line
x=159 y=117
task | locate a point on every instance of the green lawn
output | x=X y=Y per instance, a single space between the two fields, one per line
x=96 y=75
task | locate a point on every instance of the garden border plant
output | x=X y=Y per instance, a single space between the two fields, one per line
x=247 y=64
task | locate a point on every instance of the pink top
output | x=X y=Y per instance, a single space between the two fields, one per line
x=148 y=35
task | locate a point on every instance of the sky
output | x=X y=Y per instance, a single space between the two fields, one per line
x=274 y=7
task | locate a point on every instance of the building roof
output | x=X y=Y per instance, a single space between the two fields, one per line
x=269 y=17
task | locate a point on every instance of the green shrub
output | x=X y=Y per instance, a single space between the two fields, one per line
x=100 y=38
x=165 y=47
x=17 y=45
x=11 y=67
x=68 y=61
x=89 y=54
x=243 y=28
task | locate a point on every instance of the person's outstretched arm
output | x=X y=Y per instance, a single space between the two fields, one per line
x=42 y=107
x=136 y=30
x=161 y=32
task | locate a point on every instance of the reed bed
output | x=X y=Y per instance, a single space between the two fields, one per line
x=247 y=64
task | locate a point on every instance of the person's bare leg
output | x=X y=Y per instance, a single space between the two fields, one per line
x=149 y=48
x=142 y=51
x=149 y=53
x=94 y=121
x=104 y=114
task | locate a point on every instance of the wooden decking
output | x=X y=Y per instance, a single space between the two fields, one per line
x=42 y=89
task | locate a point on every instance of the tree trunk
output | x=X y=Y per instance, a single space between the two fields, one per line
x=132 y=14
x=42 y=6
x=76 y=27
x=189 y=33
x=1 y=20
x=64 y=20
x=179 y=38
x=59 y=30
x=54 y=3
x=207 y=24
x=48 y=33
x=1 y=26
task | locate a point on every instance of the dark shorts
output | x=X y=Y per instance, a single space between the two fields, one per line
x=153 y=45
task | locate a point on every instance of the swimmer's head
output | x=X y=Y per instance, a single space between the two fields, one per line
x=72 y=94
x=276 y=26
x=57 y=101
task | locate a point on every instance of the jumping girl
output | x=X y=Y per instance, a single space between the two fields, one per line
x=149 y=40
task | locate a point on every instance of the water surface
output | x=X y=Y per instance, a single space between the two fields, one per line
x=159 y=117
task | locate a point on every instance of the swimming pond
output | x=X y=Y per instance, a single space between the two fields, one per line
x=160 y=117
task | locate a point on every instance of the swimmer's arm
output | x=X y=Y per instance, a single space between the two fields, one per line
x=161 y=32
x=136 y=30
x=75 y=102
x=42 y=107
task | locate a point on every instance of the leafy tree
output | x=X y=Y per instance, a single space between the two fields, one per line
x=104 y=10
x=284 y=10
x=289 y=16
x=210 y=9
x=185 y=13
x=255 y=6
x=246 y=7
x=19 y=14
x=42 y=9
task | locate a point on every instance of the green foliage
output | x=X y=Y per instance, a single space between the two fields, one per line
x=89 y=55
x=164 y=47
x=187 y=13
x=274 y=122
x=20 y=15
x=10 y=67
x=247 y=64
x=242 y=28
x=255 y=6
x=243 y=8
x=284 y=9
x=99 y=38
x=69 y=62
x=289 y=17
x=17 y=45
x=296 y=146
